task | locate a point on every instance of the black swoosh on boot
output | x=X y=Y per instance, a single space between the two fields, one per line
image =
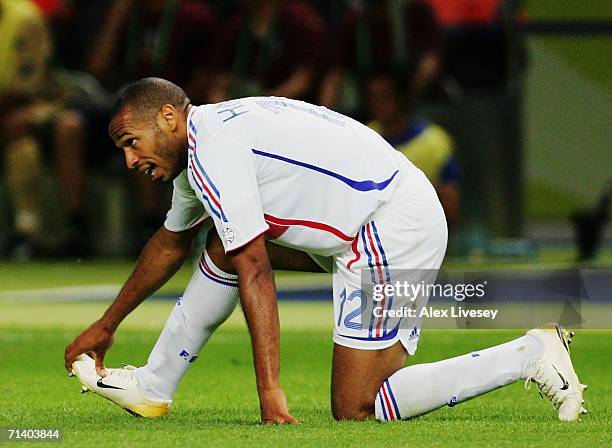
x=101 y=385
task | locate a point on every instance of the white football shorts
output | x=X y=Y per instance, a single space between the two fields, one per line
x=407 y=236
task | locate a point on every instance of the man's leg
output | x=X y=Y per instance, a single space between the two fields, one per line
x=367 y=382
x=357 y=376
x=541 y=356
x=407 y=237
x=210 y=298
x=69 y=151
x=23 y=166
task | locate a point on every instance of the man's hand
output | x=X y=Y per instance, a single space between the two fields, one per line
x=94 y=341
x=162 y=256
x=274 y=410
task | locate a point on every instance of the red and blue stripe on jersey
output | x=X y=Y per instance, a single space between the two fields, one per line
x=207 y=188
x=278 y=226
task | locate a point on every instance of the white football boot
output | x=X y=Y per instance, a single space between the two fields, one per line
x=554 y=374
x=118 y=386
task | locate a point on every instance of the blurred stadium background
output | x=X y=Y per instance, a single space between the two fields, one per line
x=526 y=101
x=527 y=96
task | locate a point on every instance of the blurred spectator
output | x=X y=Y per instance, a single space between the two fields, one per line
x=36 y=123
x=425 y=144
x=481 y=50
x=25 y=52
x=371 y=39
x=224 y=8
x=49 y=8
x=81 y=18
x=166 y=38
x=331 y=11
x=270 y=47
x=485 y=59
x=134 y=39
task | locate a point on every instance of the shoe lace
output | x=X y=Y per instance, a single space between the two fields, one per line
x=544 y=389
x=125 y=372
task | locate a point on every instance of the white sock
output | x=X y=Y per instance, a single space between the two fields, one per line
x=421 y=388
x=210 y=298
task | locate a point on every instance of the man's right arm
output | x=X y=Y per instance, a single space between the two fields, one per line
x=160 y=259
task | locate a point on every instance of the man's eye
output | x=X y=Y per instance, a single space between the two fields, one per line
x=129 y=142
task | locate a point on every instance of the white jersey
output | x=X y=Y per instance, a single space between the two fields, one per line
x=304 y=175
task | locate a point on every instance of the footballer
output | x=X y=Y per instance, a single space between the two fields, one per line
x=283 y=184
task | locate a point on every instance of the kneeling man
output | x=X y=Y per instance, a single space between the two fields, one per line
x=283 y=184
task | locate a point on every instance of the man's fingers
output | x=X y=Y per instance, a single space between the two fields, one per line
x=68 y=364
x=100 y=368
x=292 y=420
x=67 y=361
x=69 y=357
x=99 y=358
x=284 y=419
x=94 y=341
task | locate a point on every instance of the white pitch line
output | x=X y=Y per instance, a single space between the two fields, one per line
x=65 y=294
x=87 y=293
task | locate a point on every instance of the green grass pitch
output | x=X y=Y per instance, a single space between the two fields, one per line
x=217 y=403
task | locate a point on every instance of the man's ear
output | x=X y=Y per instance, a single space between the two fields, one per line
x=167 y=118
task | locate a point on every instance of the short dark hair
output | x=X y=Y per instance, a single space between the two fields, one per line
x=147 y=95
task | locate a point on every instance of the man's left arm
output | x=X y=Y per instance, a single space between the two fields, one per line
x=258 y=299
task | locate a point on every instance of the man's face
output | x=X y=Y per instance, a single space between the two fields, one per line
x=148 y=148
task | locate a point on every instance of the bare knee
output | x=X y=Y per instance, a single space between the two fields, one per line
x=352 y=409
x=357 y=376
x=352 y=396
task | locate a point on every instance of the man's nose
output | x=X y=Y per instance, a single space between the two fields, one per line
x=131 y=160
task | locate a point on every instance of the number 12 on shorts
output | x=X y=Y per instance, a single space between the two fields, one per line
x=352 y=319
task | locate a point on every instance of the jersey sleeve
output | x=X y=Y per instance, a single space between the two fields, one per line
x=225 y=176
x=187 y=210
